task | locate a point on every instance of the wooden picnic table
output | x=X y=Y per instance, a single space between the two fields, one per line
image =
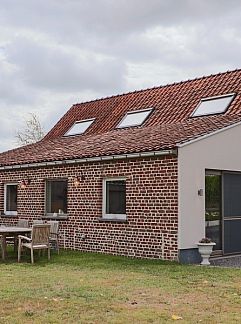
x=8 y=231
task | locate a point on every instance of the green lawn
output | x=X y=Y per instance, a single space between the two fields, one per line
x=79 y=287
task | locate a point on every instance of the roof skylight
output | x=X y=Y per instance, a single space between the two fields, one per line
x=134 y=118
x=213 y=105
x=79 y=127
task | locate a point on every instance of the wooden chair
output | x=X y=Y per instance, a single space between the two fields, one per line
x=54 y=234
x=38 y=221
x=39 y=240
x=21 y=223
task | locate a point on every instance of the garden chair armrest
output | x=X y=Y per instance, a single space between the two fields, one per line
x=21 y=237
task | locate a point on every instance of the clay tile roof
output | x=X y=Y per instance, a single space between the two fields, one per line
x=172 y=104
x=121 y=141
x=169 y=124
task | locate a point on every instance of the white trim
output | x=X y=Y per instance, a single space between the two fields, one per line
x=8 y=212
x=90 y=159
x=133 y=112
x=79 y=122
x=232 y=95
x=110 y=216
x=114 y=217
x=208 y=135
x=217 y=97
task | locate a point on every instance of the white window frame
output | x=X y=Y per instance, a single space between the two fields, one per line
x=132 y=112
x=79 y=122
x=104 y=214
x=9 y=212
x=232 y=95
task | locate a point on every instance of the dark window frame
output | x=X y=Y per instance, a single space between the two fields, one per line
x=48 y=201
x=213 y=98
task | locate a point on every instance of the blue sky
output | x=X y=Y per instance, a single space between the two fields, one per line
x=55 y=53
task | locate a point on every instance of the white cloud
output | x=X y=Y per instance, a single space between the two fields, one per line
x=52 y=66
x=56 y=53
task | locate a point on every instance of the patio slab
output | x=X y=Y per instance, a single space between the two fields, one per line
x=231 y=261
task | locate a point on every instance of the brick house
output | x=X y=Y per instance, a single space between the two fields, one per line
x=144 y=174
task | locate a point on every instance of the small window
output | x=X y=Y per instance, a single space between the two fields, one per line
x=10 y=199
x=79 y=127
x=56 y=196
x=114 y=199
x=134 y=118
x=213 y=105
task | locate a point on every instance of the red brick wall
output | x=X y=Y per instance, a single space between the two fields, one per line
x=151 y=206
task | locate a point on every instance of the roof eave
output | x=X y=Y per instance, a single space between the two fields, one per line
x=90 y=159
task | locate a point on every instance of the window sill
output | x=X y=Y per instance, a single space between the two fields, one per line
x=58 y=217
x=114 y=220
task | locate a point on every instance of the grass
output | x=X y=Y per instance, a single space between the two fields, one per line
x=92 y=288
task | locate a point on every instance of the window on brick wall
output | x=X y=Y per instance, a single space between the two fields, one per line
x=10 y=198
x=114 y=198
x=56 y=196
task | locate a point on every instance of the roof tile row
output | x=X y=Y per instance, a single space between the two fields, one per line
x=169 y=124
x=121 y=141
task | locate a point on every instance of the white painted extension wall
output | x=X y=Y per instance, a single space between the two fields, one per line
x=220 y=151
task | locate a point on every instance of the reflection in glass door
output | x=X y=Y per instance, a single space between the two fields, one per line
x=213 y=207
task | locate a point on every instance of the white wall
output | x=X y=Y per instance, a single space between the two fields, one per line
x=221 y=151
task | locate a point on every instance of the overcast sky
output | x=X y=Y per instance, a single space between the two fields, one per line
x=58 y=52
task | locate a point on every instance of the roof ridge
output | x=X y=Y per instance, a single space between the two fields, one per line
x=157 y=87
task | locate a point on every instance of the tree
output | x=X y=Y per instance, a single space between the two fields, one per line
x=32 y=131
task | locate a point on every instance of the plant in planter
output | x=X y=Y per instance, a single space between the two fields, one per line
x=205 y=247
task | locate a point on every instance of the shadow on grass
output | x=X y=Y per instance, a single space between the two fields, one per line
x=84 y=259
x=91 y=259
x=102 y=262
x=154 y=267
x=12 y=257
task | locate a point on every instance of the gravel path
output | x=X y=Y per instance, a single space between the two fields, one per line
x=232 y=262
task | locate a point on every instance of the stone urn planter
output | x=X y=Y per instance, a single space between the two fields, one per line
x=205 y=248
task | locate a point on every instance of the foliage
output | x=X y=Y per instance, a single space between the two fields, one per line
x=205 y=240
x=32 y=131
x=213 y=191
x=213 y=197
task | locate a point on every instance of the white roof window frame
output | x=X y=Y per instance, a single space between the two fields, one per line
x=133 y=112
x=90 y=121
x=217 y=112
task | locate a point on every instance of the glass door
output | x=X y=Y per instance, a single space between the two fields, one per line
x=231 y=212
x=213 y=207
